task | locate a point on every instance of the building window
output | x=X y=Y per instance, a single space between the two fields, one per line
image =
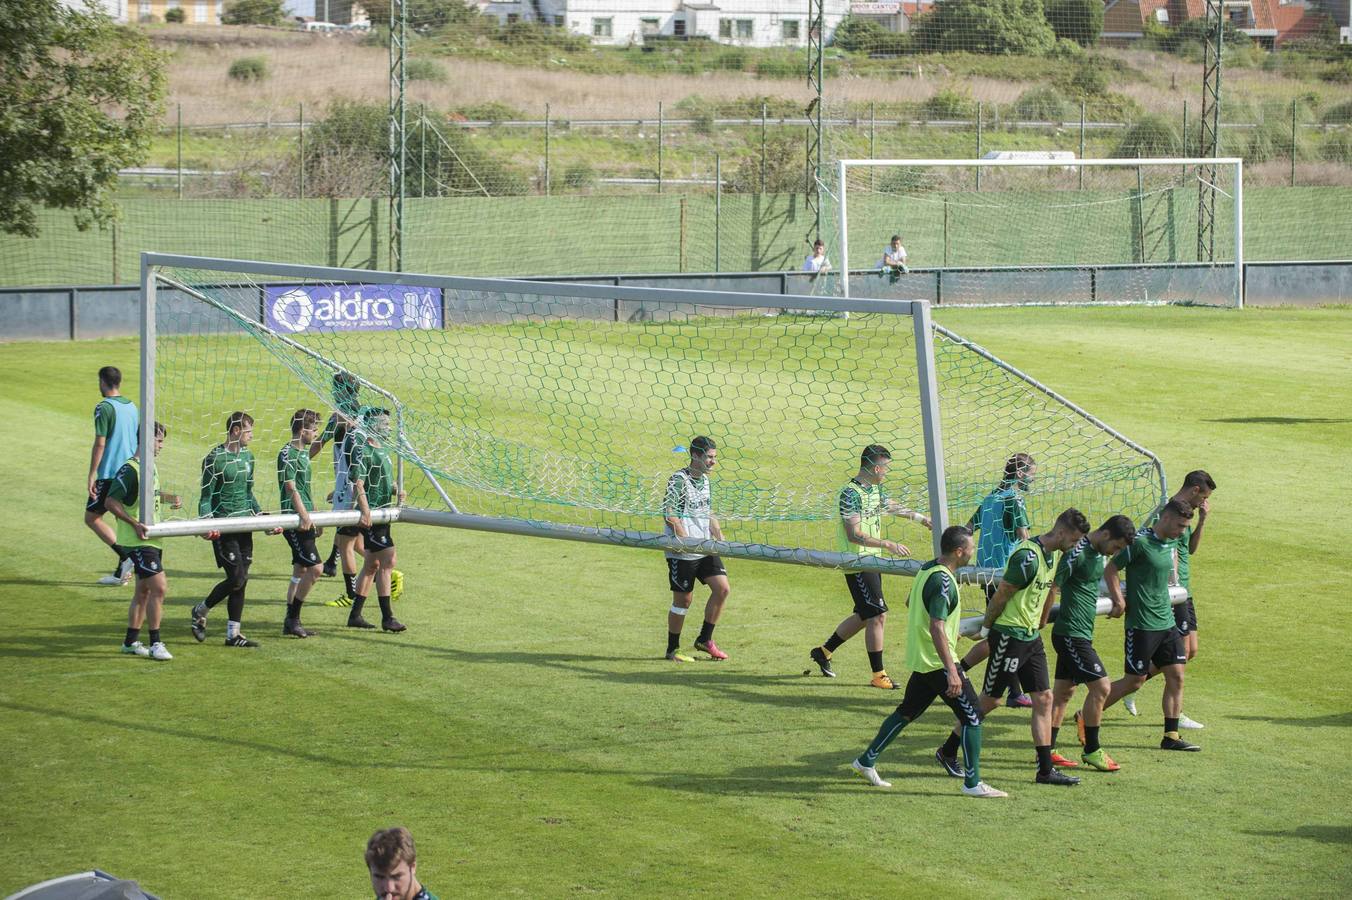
x=678 y=27
x=200 y=13
x=725 y=28
x=558 y=22
x=650 y=26
x=744 y=29
x=513 y=18
x=602 y=27
x=791 y=29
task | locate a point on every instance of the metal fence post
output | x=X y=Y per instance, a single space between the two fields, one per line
x=661 y=122
x=302 y=151
x=1081 y=143
x=179 y=132
x=718 y=211
x=762 y=165
x=1293 y=143
x=547 y=186
x=978 y=143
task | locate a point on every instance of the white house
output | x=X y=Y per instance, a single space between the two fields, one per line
x=751 y=23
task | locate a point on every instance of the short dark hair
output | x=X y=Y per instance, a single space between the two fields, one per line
x=111 y=376
x=160 y=430
x=1073 y=519
x=702 y=445
x=238 y=419
x=1017 y=466
x=1180 y=508
x=1198 y=478
x=818 y=243
x=388 y=847
x=953 y=538
x=302 y=419
x=1120 y=527
x=872 y=454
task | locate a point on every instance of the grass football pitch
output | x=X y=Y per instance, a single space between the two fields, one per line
x=526 y=732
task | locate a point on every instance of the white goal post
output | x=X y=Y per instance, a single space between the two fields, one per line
x=1039 y=231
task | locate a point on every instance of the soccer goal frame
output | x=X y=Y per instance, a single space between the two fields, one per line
x=162 y=272
x=1201 y=164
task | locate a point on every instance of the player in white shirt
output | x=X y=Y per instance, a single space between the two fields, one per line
x=687 y=513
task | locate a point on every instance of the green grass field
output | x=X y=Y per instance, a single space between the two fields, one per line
x=526 y=733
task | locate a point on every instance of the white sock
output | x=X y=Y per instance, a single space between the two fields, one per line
x=231 y=630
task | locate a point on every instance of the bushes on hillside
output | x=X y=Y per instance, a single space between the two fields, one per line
x=249 y=68
x=1150 y=136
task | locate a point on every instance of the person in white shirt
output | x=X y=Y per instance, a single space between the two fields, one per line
x=894 y=256
x=817 y=262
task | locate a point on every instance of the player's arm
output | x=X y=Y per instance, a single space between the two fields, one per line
x=211 y=487
x=125 y=486
x=1052 y=593
x=1195 y=541
x=855 y=536
x=103 y=426
x=937 y=604
x=299 y=506
x=672 y=506
x=715 y=530
x=1114 y=584
x=897 y=509
x=357 y=479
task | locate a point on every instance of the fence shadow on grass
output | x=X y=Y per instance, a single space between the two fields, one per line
x=1279 y=420
x=1332 y=720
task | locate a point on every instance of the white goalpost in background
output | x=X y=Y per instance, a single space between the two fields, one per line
x=1044 y=231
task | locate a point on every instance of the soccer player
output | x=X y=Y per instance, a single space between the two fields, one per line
x=339 y=429
x=1018 y=658
x=1196 y=490
x=293 y=478
x=1077 y=662
x=392 y=861
x=1001 y=521
x=686 y=511
x=373 y=487
x=123 y=499
x=1152 y=637
x=227 y=492
x=861 y=505
x=117 y=425
x=931 y=653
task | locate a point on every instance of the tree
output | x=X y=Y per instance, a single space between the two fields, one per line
x=1080 y=21
x=254 y=12
x=985 y=26
x=79 y=99
x=424 y=14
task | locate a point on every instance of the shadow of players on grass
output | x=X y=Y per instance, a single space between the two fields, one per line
x=1332 y=720
x=140 y=725
x=1325 y=834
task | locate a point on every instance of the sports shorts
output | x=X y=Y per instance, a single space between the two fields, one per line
x=682 y=573
x=866 y=588
x=1076 y=660
x=1163 y=648
x=1014 y=664
x=302 y=544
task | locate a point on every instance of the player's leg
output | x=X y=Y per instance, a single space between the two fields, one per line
x=1172 y=659
x=136 y=613
x=715 y=577
x=305 y=571
x=157 y=588
x=93 y=517
x=346 y=541
x=848 y=628
x=226 y=552
x=239 y=581
x=967 y=709
x=1032 y=673
x=1063 y=690
x=386 y=556
x=681 y=580
x=1185 y=617
x=866 y=590
x=921 y=689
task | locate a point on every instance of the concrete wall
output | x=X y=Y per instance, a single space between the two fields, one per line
x=105 y=311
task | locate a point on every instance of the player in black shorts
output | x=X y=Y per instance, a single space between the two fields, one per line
x=374 y=486
x=293 y=480
x=686 y=514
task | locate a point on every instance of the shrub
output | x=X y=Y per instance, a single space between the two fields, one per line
x=1042 y=104
x=1080 y=21
x=175 y=15
x=949 y=103
x=424 y=70
x=1337 y=147
x=1151 y=136
x=492 y=111
x=249 y=68
x=1338 y=115
x=1089 y=80
x=253 y=12
x=579 y=177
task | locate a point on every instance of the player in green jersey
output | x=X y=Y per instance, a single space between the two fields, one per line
x=374 y=487
x=1012 y=625
x=293 y=479
x=862 y=503
x=227 y=492
x=392 y=861
x=1078 y=576
x=123 y=500
x=1152 y=637
x=1196 y=490
x=931 y=655
x=117 y=434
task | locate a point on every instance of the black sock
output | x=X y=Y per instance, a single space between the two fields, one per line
x=132 y=635
x=385 y=607
x=293 y=610
x=1044 y=760
x=875 y=660
x=350 y=582
x=234 y=607
x=1091 y=738
x=833 y=642
x=358 y=601
x=1055 y=731
x=1170 y=725
x=333 y=557
x=706 y=632
x=154 y=635
x=673 y=641
x=218 y=593
x=950 y=747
